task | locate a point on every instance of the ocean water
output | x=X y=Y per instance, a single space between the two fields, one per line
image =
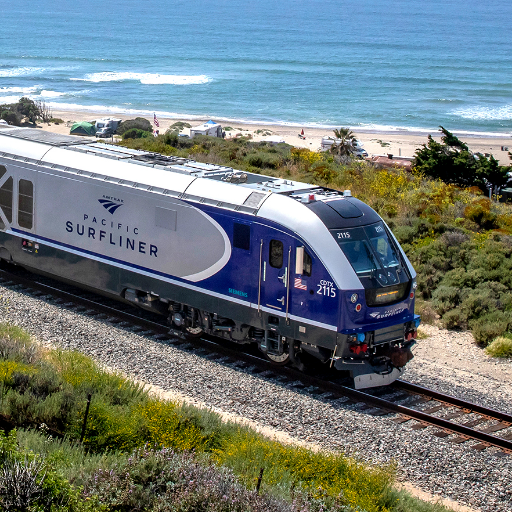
x=399 y=64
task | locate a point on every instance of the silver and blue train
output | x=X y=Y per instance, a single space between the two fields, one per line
x=306 y=273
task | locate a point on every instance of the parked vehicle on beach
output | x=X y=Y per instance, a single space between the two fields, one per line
x=105 y=132
x=306 y=273
x=107 y=127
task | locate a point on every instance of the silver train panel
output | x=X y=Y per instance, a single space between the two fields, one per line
x=127 y=226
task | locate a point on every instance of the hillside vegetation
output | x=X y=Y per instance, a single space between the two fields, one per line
x=129 y=451
x=459 y=241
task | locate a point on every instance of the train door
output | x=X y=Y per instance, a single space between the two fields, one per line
x=274 y=288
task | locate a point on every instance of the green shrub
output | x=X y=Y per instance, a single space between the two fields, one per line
x=426 y=311
x=10 y=117
x=264 y=160
x=179 y=125
x=489 y=326
x=445 y=298
x=455 y=319
x=135 y=133
x=500 y=347
x=139 y=123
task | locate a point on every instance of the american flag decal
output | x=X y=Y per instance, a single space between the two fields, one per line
x=299 y=284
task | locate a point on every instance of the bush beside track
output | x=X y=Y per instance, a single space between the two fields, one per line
x=141 y=453
x=459 y=241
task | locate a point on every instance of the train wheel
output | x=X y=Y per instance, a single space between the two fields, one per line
x=193 y=332
x=281 y=360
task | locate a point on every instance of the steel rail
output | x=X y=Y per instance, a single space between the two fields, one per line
x=450 y=400
x=294 y=375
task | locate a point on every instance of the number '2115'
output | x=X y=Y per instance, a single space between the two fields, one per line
x=326 y=290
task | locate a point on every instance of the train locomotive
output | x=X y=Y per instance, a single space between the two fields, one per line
x=306 y=273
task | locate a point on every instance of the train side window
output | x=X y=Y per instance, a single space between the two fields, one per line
x=303 y=262
x=26 y=204
x=241 y=236
x=6 y=199
x=307 y=265
x=276 y=254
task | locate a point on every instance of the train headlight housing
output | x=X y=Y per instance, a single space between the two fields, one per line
x=353 y=298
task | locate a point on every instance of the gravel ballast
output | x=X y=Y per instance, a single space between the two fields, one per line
x=446 y=361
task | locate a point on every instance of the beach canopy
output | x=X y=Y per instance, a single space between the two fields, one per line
x=83 y=128
x=210 y=122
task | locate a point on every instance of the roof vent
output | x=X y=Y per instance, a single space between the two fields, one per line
x=347 y=193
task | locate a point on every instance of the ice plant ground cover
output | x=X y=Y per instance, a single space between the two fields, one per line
x=141 y=453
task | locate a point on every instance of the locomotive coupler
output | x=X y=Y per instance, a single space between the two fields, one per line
x=399 y=356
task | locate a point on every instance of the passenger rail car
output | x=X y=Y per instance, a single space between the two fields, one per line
x=303 y=271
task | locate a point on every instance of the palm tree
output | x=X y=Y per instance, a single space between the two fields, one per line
x=345 y=142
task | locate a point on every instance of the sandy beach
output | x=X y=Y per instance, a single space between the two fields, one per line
x=403 y=143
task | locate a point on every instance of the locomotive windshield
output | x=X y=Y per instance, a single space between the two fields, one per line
x=375 y=259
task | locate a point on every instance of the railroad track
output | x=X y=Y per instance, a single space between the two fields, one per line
x=456 y=420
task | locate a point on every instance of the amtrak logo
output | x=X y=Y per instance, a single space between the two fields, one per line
x=390 y=312
x=109 y=205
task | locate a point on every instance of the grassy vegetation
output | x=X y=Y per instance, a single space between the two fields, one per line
x=500 y=347
x=458 y=240
x=140 y=453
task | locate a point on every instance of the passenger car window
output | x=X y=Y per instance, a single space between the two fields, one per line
x=25 y=204
x=276 y=254
x=241 y=236
x=6 y=199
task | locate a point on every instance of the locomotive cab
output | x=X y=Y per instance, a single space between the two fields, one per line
x=377 y=325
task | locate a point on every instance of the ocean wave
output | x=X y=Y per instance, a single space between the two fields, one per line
x=145 y=78
x=20 y=90
x=21 y=71
x=485 y=113
x=7 y=100
x=36 y=93
x=54 y=94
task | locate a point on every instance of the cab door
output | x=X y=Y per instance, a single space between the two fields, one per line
x=274 y=289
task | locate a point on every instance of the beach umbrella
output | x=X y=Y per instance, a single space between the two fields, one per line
x=302 y=132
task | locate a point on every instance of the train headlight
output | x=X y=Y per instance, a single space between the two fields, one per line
x=353 y=298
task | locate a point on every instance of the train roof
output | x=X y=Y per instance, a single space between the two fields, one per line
x=301 y=207
x=171 y=175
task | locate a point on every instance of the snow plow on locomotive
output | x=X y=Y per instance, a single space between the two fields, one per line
x=303 y=271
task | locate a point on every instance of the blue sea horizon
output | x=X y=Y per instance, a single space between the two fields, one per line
x=404 y=66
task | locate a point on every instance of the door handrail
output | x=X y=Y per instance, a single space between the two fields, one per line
x=288 y=284
x=259 y=279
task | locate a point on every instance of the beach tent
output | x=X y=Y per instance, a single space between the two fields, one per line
x=83 y=128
